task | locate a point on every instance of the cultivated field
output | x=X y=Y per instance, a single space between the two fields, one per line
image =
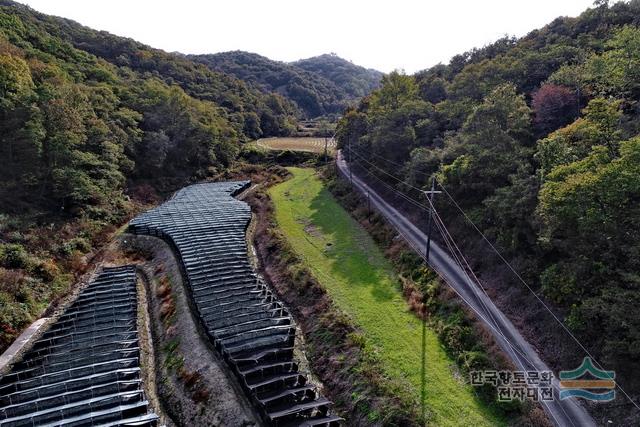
x=347 y=262
x=313 y=145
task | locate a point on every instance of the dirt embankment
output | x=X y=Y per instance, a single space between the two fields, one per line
x=193 y=383
x=353 y=381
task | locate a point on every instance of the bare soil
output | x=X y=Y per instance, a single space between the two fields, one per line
x=194 y=384
x=148 y=366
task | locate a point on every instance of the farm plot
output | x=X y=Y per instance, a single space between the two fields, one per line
x=312 y=145
x=85 y=370
x=247 y=324
x=346 y=261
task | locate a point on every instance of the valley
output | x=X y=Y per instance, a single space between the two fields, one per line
x=225 y=239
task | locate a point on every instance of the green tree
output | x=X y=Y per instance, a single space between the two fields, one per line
x=491 y=146
x=396 y=89
x=351 y=127
x=598 y=127
x=617 y=70
x=589 y=211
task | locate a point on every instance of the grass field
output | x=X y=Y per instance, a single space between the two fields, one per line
x=346 y=261
x=314 y=145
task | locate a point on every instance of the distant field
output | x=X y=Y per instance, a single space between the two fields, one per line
x=313 y=145
x=361 y=281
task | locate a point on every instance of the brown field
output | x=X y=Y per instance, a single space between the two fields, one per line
x=314 y=145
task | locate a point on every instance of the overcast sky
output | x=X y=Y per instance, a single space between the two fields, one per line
x=386 y=35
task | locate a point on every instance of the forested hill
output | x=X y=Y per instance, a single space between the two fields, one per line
x=82 y=108
x=538 y=139
x=319 y=86
x=90 y=123
x=353 y=79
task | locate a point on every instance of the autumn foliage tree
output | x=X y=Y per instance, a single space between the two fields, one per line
x=554 y=106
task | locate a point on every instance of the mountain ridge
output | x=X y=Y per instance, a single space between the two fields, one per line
x=320 y=85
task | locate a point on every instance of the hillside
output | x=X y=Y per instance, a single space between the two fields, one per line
x=538 y=141
x=91 y=126
x=318 y=86
x=533 y=142
x=356 y=81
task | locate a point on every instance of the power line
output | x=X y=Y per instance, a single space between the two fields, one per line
x=399 y=193
x=456 y=253
x=388 y=174
x=513 y=349
x=396 y=163
x=503 y=259
x=510 y=347
x=533 y=292
x=459 y=258
x=419 y=252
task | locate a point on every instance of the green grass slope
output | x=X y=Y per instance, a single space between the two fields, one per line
x=345 y=259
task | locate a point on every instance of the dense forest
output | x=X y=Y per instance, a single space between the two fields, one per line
x=538 y=140
x=92 y=125
x=354 y=80
x=319 y=86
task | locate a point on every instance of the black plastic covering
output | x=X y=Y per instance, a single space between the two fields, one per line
x=85 y=369
x=245 y=321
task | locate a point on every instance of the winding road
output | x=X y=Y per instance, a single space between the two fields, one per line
x=561 y=412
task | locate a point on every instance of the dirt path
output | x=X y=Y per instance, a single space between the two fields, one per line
x=195 y=386
x=148 y=368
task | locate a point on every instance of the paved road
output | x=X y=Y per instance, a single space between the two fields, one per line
x=563 y=413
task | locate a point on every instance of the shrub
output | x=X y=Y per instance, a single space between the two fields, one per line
x=13 y=317
x=76 y=244
x=46 y=269
x=11 y=280
x=558 y=283
x=253 y=154
x=14 y=255
x=61 y=283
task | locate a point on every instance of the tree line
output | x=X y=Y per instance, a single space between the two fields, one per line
x=320 y=86
x=91 y=126
x=538 y=139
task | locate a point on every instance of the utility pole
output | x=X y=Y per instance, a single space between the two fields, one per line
x=325 y=149
x=429 y=194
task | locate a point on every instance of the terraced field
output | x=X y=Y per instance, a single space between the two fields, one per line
x=85 y=370
x=245 y=321
x=346 y=261
x=309 y=144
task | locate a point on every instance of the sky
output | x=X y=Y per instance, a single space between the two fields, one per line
x=394 y=34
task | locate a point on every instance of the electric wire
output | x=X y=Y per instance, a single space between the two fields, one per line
x=502 y=258
x=420 y=253
x=511 y=348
